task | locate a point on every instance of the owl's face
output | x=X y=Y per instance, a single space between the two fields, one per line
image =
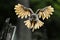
x=33 y=17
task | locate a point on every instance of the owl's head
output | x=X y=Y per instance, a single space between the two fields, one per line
x=33 y=17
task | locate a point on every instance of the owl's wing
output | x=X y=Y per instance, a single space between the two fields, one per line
x=45 y=12
x=22 y=11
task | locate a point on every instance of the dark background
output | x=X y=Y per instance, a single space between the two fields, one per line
x=51 y=28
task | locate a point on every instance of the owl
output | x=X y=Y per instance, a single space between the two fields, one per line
x=32 y=19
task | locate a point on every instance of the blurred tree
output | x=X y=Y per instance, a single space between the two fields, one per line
x=23 y=33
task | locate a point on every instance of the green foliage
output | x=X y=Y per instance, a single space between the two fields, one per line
x=58 y=1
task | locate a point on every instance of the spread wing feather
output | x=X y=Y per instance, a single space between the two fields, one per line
x=45 y=12
x=22 y=11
